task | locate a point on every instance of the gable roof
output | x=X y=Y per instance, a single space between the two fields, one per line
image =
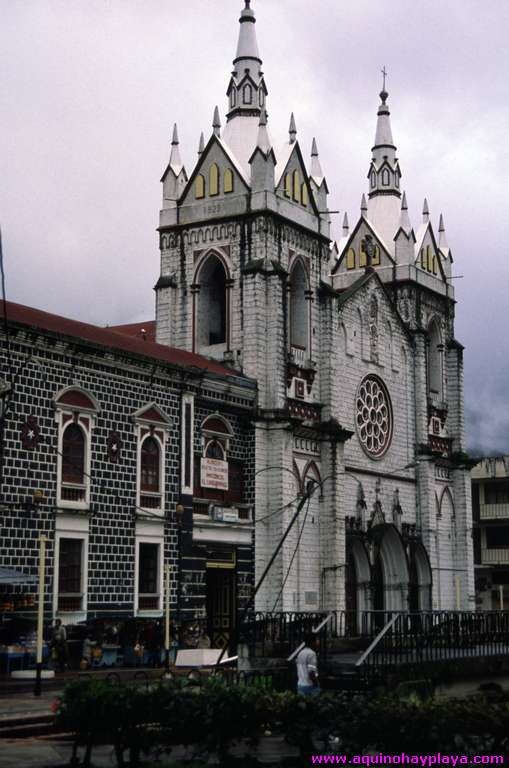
x=20 y=314
x=282 y=165
x=229 y=156
x=420 y=240
x=371 y=274
x=350 y=238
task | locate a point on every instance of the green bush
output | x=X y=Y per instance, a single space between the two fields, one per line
x=213 y=716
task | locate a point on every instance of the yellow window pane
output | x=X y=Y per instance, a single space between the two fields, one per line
x=296 y=186
x=362 y=255
x=228 y=181
x=423 y=258
x=304 y=195
x=376 y=257
x=350 y=259
x=435 y=265
x=214 y=180
x=429 y=265
x=288 y=185
x=199 y=187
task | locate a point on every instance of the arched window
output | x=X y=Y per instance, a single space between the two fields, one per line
x=149 y=465
x=214 y=180
x=396 y=179
x=296 y=186
x=228 y=181
x=233 y=97
x=212 y=310
x=362 y=254
x=385 y=177
x=214 y=450
x=247 y=94
x=288 y=184
x=299 y=307
x=261 y=97
x=375 y=260
x=304 y=194
x=350 y=259
x=73 y=455
x=373 y=179
x=435 y=354
x=199 y=187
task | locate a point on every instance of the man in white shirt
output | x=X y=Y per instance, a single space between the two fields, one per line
x=307 y=667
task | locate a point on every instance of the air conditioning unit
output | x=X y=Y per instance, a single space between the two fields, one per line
x=224 y=514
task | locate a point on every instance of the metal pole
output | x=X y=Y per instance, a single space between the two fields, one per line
x=167 y=616
x=40 y=615
x=457 y=580
x=501 y=596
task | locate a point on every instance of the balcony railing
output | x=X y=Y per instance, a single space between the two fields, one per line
x=493 y=511
x=149 y=602
x=69 y=602
x=73 y=492
x=150 y=500
x=495 y=556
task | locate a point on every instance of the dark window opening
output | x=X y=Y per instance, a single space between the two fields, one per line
x=73 y=455
x=70 y=564
x=496 y=493
x=497 y=536
x=150 y=465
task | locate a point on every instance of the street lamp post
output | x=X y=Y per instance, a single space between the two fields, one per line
x=40 y=615
x=167 y=569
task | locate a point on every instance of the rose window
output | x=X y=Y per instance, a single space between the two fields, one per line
x=374 y=416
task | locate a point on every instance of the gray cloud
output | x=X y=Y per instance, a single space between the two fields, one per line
x=90 y=90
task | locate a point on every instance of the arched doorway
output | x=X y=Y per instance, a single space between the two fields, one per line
x=211 y=330
x=420 y=581
x=390 y=571
x=357 y=581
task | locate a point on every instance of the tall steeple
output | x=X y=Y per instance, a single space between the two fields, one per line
x=246 y=92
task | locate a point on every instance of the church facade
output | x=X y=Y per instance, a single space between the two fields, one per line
x=352 y=346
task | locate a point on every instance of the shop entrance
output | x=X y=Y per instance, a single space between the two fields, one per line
x=220 y=605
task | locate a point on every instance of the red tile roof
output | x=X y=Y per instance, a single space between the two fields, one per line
x=107 y=337
x=145 y=331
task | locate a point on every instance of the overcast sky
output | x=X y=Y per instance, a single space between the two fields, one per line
x=89 y=91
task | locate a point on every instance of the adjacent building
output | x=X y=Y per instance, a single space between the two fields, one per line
x=490 y=507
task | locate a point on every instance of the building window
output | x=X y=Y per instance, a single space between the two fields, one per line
x=247 y=94
x=187 y=434
x=151 y=429
x=213 y=180
x=304 y=194
x=288 y=184
x=435 y=354
x=373 y=179
x=299 y=307
x=212 y=320
x=496 y=493
x=375 y=261
x=149 y=581
x=296 y=186
x=497 y=536
x=199 y=187
x=350 y=259
x=261 y=97
x=362 y=254
x=228 y=181
x=423 y=258
x=233 y=97
x=385 y=177
x=75 y=413
x=70 y=575
x=214 y=450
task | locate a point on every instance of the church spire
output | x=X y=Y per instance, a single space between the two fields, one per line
x=442 y=238
x=201 y=145
x=216 y=122
x=246 y=91
x=346 y=227
x=292 y=129
x=175 y=159
x=384 y=172
x=316 y=168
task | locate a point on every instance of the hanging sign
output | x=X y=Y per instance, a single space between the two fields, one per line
x=214 y=474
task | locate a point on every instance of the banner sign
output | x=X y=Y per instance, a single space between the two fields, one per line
x=214 y=474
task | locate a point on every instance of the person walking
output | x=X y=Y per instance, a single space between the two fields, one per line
x=59 y=645
x=307 y=667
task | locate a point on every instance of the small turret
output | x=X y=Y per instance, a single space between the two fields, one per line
x=364 y=206
x=425 y=212
x=292 y=130
x=216 y=123
x=201 y=145
x=174 y=178
x=263 y=160
x=346 y=227
x=316 y=168
x=404 y=240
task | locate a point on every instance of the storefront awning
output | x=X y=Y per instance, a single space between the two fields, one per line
x=12 y=578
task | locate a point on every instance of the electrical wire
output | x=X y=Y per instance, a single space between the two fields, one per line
x=276 y=511
x=293 y=556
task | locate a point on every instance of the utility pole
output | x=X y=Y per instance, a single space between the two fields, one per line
x=40 y=615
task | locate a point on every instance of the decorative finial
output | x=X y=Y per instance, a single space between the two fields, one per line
x=383 y=93
x=364 y=205
x=425 y=211
x=404 y=206
x=248 y=4
x=175 y=139
x=314 y=149
x=201 y=145
x=292 y=130
x=346 y=226
x=216 y=122
x=441 y=226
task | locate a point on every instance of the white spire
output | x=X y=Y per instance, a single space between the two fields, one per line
x=442 y=239
x=404 y=219
x=425 y=212
x=201 y=145
x=316 y=168
x=247 y=47
x=175 y=160
x=383 y=135
x=364 y=206
x=216 y=122
x=292 y=130
x=346 y=227
x=263 y=140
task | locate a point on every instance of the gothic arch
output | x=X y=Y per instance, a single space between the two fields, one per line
x=299 y=320
x=357 y=583
x=435 y=359
x=311 y=472
x=211 y=300
x=420 y=585
x=392 y=567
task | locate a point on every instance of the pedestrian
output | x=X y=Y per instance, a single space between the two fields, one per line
x=59 y=648
x=307 y=667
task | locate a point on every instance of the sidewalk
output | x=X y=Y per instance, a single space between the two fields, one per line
x=42 y=753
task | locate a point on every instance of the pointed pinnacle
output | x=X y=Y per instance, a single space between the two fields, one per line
x=404 y=205
x=263 y=117
x=346 y=226
x=441 y=227
x=364 y=205
x=201 y=145
x=175 y=138
x=292 y=130
x=314 y=149
x=216 y=122
x=425 y=211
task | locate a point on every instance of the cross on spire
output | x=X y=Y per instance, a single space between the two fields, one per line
x=248 y=4
x=384 y=73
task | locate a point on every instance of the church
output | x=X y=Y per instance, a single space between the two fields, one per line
x=351 y=343
x=290 y=369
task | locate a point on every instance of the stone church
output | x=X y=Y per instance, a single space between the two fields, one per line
x=352 y=345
